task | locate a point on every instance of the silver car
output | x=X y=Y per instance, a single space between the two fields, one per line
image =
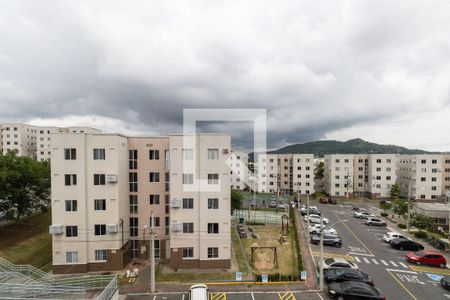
x=375 y=222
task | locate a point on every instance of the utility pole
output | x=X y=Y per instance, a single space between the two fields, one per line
x=321 y=253
x=409 y=205
x=307 y=213
x=152 y=254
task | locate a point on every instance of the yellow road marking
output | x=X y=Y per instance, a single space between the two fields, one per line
x=401 y=284
x=330 y=255
x=343 y=223
x=218 y=296
x=430 y=270
x=286 y=296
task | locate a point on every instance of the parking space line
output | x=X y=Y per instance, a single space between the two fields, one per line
x=384 y=263
x=422 y=269
x=401 y=284
x=357 y=259
x=393 y=263
x=366 y=260
x=331 y=255
x=218 y=296
x=374 y=261
x=253 y=297
x=403 y=265
x=343 y=223
x=286 y=296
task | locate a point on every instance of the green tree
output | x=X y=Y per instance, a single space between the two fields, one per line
x=422 y=221
x=320 y=169
x=24 y=185
x=395 y=191
x=400 y=207
x=236 y=200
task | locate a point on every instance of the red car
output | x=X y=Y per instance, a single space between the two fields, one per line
x=323 y=201
x=427 y=257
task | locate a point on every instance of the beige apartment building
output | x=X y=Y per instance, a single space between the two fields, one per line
x=286 y=173
x=43 y=133
x=239 y=170
x=338 y=175
x=105 y=188
x=446 y=177
x=20 y=137
x=423 y=174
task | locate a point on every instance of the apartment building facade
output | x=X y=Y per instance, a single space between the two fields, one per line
x=303 y=174
x=239 y=170
x=106 y=187
x=19 y=137
x=423 y=174
x=446 y=177
x=338 y=174
x=267 y=173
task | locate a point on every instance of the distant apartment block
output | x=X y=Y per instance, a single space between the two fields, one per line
x=338 y=174
x=239 y=170
x=105 y=187
x=286 y=173
x=424 y=175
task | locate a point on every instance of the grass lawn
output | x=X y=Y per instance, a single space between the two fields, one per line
x=27 y=241
x=192 y=277
x=268 y=236
x=238 y=251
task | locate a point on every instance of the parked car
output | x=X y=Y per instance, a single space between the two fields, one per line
x=337 y=262
x=347 y=274
x=312 y=209
x=273 y=204
x=445 y=282
x=389 y=236
x=354 y=290
x=363 y=215
x=332 y=201
x=315 y=219
x=323 y=201
x=326 y=230
x=199 y=292
x=282 y=205
x=427 y=257
x=375 y=222
x=403 y=244
x=328 y=239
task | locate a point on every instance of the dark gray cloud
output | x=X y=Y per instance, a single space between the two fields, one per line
x=334 y=69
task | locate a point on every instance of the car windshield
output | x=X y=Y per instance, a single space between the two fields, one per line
x=420 y=253
x=329 y=261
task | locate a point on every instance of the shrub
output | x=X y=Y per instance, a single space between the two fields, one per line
x=402 y=226
x=383 y=214
x=420 y=234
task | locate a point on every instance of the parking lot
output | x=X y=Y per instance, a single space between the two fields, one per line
x=364 y=245
x=276 y=295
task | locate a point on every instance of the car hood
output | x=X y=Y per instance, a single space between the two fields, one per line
x=412 y=255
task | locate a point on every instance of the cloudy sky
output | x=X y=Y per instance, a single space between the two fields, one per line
x=379 y=70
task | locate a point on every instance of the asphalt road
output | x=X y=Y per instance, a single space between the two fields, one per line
x=392 y=274
x=280 y=295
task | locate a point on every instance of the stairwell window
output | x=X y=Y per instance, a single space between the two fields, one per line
x=71 y=257
x=99 y=154
x=213 y=154
x=213 y=178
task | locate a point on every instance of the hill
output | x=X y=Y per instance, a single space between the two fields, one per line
x=353 y=146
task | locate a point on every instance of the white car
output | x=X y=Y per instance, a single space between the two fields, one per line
x=315 y=229
x=199 y=292
x=337 y=262
x=389 y=236
x=315 y=219
x=281 y=205
x=363 y=215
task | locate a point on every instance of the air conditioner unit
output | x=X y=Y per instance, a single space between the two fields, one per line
x=175 y=203
x=56 y=229
x=112 y=228
x=225 y=151
x=175 y=226
x=111 y=178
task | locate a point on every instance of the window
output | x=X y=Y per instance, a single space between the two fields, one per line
x=157 y=221
x=188 y=178
x=70 y=179
x=213 y=154
x=99 y=179
x=378 y=169
x=378 y=161
x=188 y=227
x=213 y=228
x=434 y=161
x=423 y=161
x=388 y=177
x=71 y=257
x=188 y=154
x=213 y=203
x=71 y=231
x=99 y=204
x=167 y=223
x=338 y=161
x=434 y=188
x=213 y=178
x=100 y=229
x=133 y=179
x=99 y=154
x=134 y=227
x=133 y=204
x=188 y=203
x=153 y=154
x=346 y=160
x=378 y=177
x=154 y=177
x=167 y=159
x=70 y=154
x=434 y=170
x=132 y=156
x=336 y=177
x=433 y=178
x=423 y=179
x=71 y=205
x=100 y=255
x=188 y=252
x=213 y=252
x=154 y=199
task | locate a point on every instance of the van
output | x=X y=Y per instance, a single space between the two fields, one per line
x=199 y=292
